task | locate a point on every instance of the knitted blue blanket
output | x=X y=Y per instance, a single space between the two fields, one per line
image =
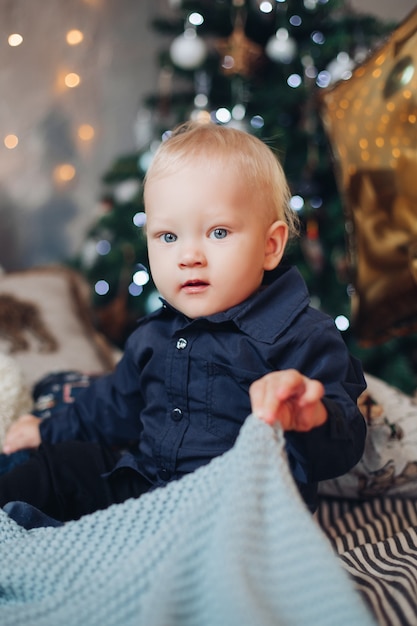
x=230 y=545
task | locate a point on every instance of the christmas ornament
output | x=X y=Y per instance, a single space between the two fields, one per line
x=89 y=253
x=126 y=190
x=371 y=120
x=239 y=55
x=281 y=47
x=188 y=51
x=341 y=67
x=143 y=128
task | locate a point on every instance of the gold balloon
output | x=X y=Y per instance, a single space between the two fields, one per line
x=371 y=121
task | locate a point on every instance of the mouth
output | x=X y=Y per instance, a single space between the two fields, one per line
x=194 y=286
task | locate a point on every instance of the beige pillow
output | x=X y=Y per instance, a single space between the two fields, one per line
x=45 y=323
x=15 y=398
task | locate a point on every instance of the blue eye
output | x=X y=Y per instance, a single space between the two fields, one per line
x=168 y=237
x=218 y=233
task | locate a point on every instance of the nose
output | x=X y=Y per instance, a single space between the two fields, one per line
x=191 y=255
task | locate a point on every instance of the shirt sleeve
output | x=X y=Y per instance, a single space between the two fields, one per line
x=108 y=411
x=335 y=447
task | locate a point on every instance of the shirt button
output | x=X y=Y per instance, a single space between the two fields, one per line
x=182 y=343
x=164 y=474
x=176 y=414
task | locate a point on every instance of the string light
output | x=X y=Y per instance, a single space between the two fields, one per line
x=296 y=203
x=15 y=40
x=103 y=247
x=342 y=323
x=101 y=287
x=72 y=80
x=266 y=7
x=238 y=112
x=223 y=115
x=74 y=37
x=294 y=80
x=139 y=219
x=323 y=79
x=318 y=38
x=11 y=141
x=86 y=132
x=141 y=275
x=295 y=20
x=316 y=202
x=196 y=19
x=134 y=289
x=257 y=121
x=64 y=172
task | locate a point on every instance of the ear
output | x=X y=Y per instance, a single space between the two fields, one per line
x=275 y=241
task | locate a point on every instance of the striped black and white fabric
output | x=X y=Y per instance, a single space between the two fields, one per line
x=376 y=541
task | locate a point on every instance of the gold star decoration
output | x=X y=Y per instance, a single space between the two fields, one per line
x=239 y=55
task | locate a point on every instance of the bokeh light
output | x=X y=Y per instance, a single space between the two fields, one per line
x=11 y=141
x=64 y=172
x=74 y=37
x=101 y=287
x=86 y=132
x=342 y=322
x=72 y=80
x=15 y=40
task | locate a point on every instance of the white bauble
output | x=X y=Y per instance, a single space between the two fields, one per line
x=281 y=47
x=89 y=253
x=341 y=67
x=126 y=191
x=143 y=128
x=188 y=51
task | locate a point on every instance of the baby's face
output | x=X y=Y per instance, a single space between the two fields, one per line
x=206 y=239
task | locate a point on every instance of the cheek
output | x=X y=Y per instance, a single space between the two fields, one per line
x=156 y=263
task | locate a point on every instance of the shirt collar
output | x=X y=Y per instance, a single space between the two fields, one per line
x=267 y=313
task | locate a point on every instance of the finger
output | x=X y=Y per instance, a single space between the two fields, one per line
x=11 y=443
x=271 y=404
x=8 y=446
x=264 y=399
x=256 y=394
x=271 y=393
x=313 y=392
x=8 y=440
x=291 y=385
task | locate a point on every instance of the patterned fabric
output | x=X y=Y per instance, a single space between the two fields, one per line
x=50 y=395
x=389 y=463
x=377 y=545
x=231 y=543
x=54 y=391
x=58 y=334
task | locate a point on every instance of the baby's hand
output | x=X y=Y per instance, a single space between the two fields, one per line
x=289 y=398
x=23 y=433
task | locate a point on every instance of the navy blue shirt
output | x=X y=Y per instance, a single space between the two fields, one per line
x=181 y=387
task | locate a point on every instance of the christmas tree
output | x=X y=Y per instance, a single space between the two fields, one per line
x=259 y=66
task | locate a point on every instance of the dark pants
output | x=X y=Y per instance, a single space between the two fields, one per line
x=65 y=480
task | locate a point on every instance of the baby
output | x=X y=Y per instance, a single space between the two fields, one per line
x=235 y=334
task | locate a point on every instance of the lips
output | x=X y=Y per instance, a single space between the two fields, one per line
x=194 y=286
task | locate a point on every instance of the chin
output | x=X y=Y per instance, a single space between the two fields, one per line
x=199 y=311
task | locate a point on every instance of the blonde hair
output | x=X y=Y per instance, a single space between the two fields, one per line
x=252 y=159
